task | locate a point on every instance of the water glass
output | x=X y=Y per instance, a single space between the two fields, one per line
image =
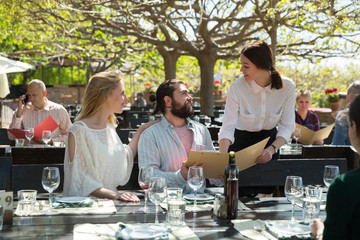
x=176 y=206
x=330 y=172
x=131 y=135
x=26 y=202
x=19 y=142
x=311 y=203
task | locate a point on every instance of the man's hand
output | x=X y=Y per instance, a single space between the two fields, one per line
x=21 y=107
x=184 y=169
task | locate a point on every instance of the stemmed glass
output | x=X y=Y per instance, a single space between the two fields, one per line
x=131 y=135
x=50 y=181
x=293 y=190
x=29 y=134
x=146 y=173
x=207 y=121
x=297 y=135
x=46 y=137
x=330 y=172
x=157 y=193
x=195 y=179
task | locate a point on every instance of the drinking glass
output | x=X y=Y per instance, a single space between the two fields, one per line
x=50 y=181
x=293 y=191
x=330 y=172
x=151 y=118
x=29 y=134
x=195 y=179
x=207 y=121
x=311 y=203
x=46 y=137
x=131 y=135
x=297 y=134
x=157 y=193
x=146 y=173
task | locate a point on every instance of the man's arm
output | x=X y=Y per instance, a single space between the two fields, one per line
x=149 y=156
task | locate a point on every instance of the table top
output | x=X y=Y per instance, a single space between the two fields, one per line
x=204 y=224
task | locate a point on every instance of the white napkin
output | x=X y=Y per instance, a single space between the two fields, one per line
x=246 y=228
x=107 y=231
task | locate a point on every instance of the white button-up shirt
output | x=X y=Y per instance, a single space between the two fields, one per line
x=254 y=108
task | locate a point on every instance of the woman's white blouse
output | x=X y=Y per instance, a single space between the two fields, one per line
x=254 y=108
x=100 y=160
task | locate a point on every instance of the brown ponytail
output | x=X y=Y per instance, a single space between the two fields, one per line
x=260 y=54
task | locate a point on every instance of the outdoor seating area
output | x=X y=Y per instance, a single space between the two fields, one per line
x=179 y=120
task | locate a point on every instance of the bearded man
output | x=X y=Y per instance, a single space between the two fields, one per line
x=165 y=146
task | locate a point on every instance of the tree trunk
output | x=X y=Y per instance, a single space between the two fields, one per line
x=207 y=64
x=170 y=59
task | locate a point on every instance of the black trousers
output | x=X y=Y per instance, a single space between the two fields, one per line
x=244 y=139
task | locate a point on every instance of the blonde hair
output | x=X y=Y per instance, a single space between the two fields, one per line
x=303 y=93
x=100 y=86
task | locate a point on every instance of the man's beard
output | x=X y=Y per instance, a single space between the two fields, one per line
x=181 y=111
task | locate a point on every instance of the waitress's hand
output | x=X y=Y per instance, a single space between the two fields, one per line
x=265 y=156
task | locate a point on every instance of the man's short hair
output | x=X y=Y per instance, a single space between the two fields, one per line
x=40 y=84
x=166 y=88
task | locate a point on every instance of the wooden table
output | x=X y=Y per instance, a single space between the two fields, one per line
x=204 y=224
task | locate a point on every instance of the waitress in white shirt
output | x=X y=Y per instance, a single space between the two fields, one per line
x=259 y=104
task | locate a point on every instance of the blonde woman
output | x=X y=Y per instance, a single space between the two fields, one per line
x=96 y=161
x=303 y=115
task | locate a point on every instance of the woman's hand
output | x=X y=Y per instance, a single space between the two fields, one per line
x=265 y=156
x=317 y=228
x=129 y=197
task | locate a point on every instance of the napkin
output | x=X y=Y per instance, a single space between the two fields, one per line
x=246 y=228
x=286 y=230
x=107 y=231
x=142 y=231
x=88 y=202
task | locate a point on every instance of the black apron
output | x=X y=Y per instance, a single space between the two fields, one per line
x=244 y=139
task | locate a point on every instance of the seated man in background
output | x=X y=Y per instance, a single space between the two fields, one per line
x=342 y=122
x=36 y=110
x=305 y=117
x=166 y=145
x=139 y=101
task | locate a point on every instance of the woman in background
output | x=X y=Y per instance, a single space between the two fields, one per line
x=343 y=198
x=342 y=122
x=305 y=117
x=96 y=161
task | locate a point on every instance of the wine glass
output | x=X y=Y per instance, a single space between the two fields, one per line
x=195 y=179
x=50 y=181
x=29 y=134
x=151 y=118
x=131 y=135
x=297 y=134
x=207 y=121
x=146 y=173
x=293 y=190
x=46 y=137
x=330 y=172
x=157 y=193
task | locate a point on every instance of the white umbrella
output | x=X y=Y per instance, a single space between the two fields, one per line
x=10 y=66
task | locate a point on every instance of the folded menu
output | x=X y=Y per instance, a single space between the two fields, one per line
x=216 y=162
x=309 y=136
x=48 y=124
